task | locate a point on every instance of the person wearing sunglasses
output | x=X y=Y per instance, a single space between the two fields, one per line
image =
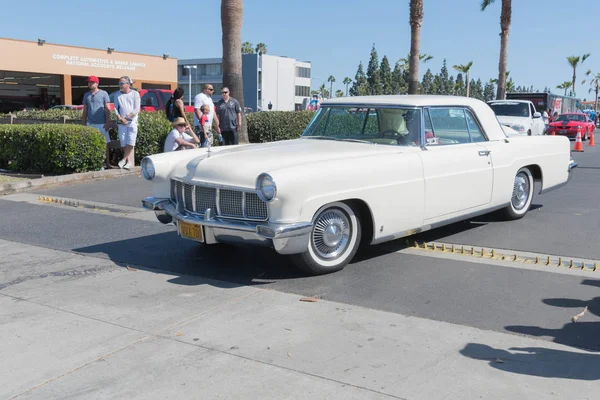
x=127 y=108
x=179 y=139
x=201 y=99
x=229 y=117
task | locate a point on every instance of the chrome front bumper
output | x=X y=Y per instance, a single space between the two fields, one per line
x=284 y=238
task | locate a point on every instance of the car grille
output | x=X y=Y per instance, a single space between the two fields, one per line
x=226 y=203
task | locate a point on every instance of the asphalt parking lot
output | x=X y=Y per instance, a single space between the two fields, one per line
x=535 y=302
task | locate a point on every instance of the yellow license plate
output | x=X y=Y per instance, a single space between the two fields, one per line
x=191 y=231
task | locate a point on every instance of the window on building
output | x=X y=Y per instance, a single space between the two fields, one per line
x=303 y=91
x=212 y=69
x=184 y=71
x=302 y=72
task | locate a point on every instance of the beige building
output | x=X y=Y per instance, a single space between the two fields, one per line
x=40 y=75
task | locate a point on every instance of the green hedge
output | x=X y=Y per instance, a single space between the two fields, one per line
x=278 y=125
x=51 y=148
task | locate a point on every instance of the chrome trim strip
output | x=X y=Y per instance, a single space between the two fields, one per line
x=218 y=200
x=194 y=198
x=244 y=214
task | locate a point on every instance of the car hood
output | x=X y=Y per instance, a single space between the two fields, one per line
x=568 y=123
x=240 y=165
x=508 y=120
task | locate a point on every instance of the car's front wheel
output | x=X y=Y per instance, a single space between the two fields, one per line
x=522 y=195
x=334 y=240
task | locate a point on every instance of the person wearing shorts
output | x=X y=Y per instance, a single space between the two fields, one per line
x=96 y=112
x=127 y=108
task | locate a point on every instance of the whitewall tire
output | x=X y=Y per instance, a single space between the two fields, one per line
x=522 y=195
x=333 y=242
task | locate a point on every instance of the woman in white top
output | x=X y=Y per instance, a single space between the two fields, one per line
x=178 y=139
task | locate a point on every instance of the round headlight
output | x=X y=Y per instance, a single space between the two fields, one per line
x=148 y=168
x=265 y=187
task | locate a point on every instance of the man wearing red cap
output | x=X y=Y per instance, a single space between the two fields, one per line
x=96 y=111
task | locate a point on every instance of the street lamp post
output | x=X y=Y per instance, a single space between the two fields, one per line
x=189 y=67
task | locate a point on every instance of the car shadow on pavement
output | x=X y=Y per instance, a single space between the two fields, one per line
x=194 y=262
x=578 y=333
x=431 y=236
x=538 y=361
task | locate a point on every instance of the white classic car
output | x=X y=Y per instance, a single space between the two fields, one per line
x=366 y=170
x=519 y=115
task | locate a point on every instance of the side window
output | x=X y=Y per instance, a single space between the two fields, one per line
x=149 y=100
x=449 y=125
x=531 y=110
x=476 y=134
x=372 y=125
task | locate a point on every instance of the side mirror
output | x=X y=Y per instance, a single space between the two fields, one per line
x=537 y=115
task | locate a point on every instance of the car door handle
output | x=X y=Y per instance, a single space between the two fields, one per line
x=484 y=153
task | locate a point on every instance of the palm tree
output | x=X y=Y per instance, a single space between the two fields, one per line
x=231 y=26
x=505 y=17
x=422 y=57
x=565 y=85
x=339 y=93
x=261 y=49
x=331 y=79
x=247 y=48
x=323 y=91
x=464 y=68
x=574 y=62
x=346 y=82
x=595 y=83
x=416 y=20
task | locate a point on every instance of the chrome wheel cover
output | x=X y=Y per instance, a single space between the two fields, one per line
x=331 y=234
x=520 y=194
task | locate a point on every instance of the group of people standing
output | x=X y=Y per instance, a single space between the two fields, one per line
x=226 y=114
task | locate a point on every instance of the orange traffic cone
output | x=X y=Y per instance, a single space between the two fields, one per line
x=578 y=143
x=591 y=142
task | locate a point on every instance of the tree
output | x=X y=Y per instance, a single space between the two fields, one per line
x=595 y=87
x=373 y=73
x=465 y=68
x=416 y=20
x=488 y=91
x=444 y=88
x=331 y=79
x=346 y=82
x=386 y=76
x=565 y=85
x=505 y=18
x=459 y=86
x=451 y=86
x=399 y=84
x=574 y=62
x=324 y=91
x=247 y=48
x=339 y=93
x=315 y=92
x=231 y=26
x=476 y=89
x=427 y=85
x=359 y=88
x=261 y=49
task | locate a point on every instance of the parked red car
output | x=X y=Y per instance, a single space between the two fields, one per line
x=570 y=123
x=151 y=99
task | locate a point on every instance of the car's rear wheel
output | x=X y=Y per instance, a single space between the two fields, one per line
x=522 y=195
x=334 y=240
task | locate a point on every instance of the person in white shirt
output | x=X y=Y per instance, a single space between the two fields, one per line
x=178 y=138
x=127 y=108
x=201 y=99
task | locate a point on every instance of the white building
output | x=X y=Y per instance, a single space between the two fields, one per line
x=283 y=81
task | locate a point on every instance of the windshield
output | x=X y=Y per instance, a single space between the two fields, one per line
x=511 y=109
x=390 y=126
x=571 y=117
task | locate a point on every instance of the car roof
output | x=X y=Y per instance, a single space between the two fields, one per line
x=509 y=101
x=405 y=100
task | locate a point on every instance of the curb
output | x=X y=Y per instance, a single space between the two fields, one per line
x=22 y=186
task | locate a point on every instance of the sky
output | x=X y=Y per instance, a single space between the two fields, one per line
x=334 y=35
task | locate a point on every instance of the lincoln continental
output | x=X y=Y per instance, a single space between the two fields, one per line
x=366 y=170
